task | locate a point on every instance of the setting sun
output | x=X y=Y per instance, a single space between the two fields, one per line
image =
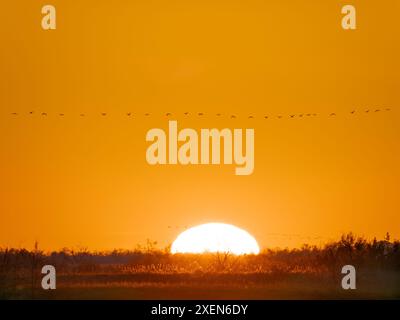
x=215 y=237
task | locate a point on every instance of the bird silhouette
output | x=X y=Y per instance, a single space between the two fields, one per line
x=200 y=113
x=387 y=109
x=147 y=114
x=308 y=114
x=333 y=114
x=265 y=117
x=366 y=111
x=279 y=117
x=103 y=114
x=82 y=114
x=218 y=114
x=186 y=113
x=14 y=113
x=377 y=110
x=233 y=116
x=31 y=112
x=44 y=114
x=292 y=115
x=168 y=114
x=61 y=114
x=251 y=117
x=128 y=114
x=352 y=112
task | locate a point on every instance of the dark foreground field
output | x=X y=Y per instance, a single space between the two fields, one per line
x=385 y=286
x=146 y=273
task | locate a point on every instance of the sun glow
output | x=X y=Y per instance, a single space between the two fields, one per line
x=215 y=237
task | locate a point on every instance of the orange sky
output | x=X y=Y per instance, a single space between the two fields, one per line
x=84 y=181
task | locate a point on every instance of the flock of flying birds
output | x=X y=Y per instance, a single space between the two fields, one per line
x=232 y=116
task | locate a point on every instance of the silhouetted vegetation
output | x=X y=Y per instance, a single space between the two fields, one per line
x=308 y=272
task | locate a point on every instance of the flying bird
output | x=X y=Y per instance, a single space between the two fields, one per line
x=186 y=113
x=377 y=110
x=279 y=117
x=31 y=112
x=251 y=117
x=128 y=114
x=352 y=111
x=333 y=114
x=147 y=114
x=218 y=114
x=265 y=117
x=168 y=114
x=366 y=111
x=44 y=114
x=233 y=116
x=14 y=113
x=61 y=114
x=292 y=115
x=200 y=113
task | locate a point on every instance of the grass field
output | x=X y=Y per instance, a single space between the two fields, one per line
x=148 y=273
